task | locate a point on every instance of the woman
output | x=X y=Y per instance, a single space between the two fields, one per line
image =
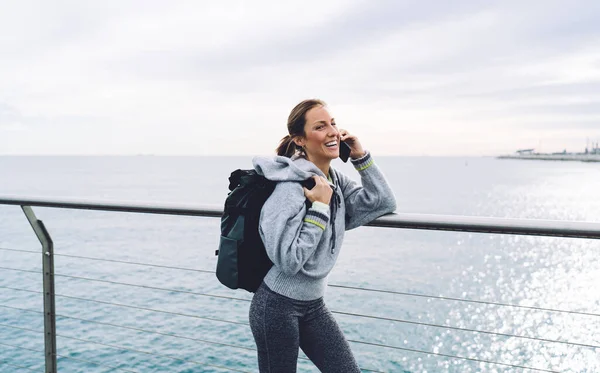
x=303 y=239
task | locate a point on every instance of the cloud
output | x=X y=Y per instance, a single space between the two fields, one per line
x=196 y=77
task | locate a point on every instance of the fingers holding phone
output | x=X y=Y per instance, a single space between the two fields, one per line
x=356 y=149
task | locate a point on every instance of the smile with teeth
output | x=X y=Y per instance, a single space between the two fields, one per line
x=331 y=144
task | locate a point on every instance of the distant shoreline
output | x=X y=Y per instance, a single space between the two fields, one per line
x=555 y=157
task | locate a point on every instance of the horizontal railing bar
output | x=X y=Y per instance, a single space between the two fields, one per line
x=153 y=208
x=453 y=356
x=156 y=333
x=476 y=224
x=25 y=290
x=359 y=342
x=465 y=329
x=20 y=328
x=151 y=287
x=20 y=367
x=355 y=315
x=490 y=225
x=339 y=286
x=135 y=263
x=353 y=341
x=152 y=310
x=440 y=297
x=166 y=334
x=370 y=317
x=95 y=363
x=21 y=348
x=130 y=328
x=362 y=316
x=153 y=354
x=21 y=251
x=174 y=336
x=114 y=261
x=122 y=305
x=20 y=309
x=408 y=294
x=22 y=270
x=348 y=287
x=344 y=313
x=127 y=306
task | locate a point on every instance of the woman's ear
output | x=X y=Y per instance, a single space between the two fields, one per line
x=298 y=141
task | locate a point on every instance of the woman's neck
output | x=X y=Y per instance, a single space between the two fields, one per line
x=323 y=165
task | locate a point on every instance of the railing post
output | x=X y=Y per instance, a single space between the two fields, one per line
x=48 y=284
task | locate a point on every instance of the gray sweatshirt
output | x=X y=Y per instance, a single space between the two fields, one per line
x=304 y=243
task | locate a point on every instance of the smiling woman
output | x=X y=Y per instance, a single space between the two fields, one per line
x=321 y=136
x=302 y=230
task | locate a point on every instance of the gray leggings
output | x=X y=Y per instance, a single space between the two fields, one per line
x=280 y=325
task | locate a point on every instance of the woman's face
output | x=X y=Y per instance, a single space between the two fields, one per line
x=322 y=141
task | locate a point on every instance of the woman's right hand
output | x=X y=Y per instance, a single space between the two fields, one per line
x=321 y=192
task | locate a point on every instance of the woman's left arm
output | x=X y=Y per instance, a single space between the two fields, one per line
x=374 y=198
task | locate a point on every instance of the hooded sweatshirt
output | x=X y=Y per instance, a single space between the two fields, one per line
x=304 y=242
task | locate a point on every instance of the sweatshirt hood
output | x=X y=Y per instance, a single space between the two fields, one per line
x=280 y=168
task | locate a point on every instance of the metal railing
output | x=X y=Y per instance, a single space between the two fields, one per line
x=552 y=228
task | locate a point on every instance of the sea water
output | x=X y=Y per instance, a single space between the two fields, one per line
x=107 y=326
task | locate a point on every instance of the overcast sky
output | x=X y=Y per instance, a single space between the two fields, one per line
x=220 y=77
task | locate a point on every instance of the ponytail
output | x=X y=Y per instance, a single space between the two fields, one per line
x=287 y=147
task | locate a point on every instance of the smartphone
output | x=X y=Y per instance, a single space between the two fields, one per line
x=344 y=151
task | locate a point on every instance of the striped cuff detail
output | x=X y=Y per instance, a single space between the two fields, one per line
x=316 y=218
x=363 y=163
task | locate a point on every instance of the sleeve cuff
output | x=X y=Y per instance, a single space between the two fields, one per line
x=364 y=162
x=317 y=218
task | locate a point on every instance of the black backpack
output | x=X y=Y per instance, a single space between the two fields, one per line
x=242 y=259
